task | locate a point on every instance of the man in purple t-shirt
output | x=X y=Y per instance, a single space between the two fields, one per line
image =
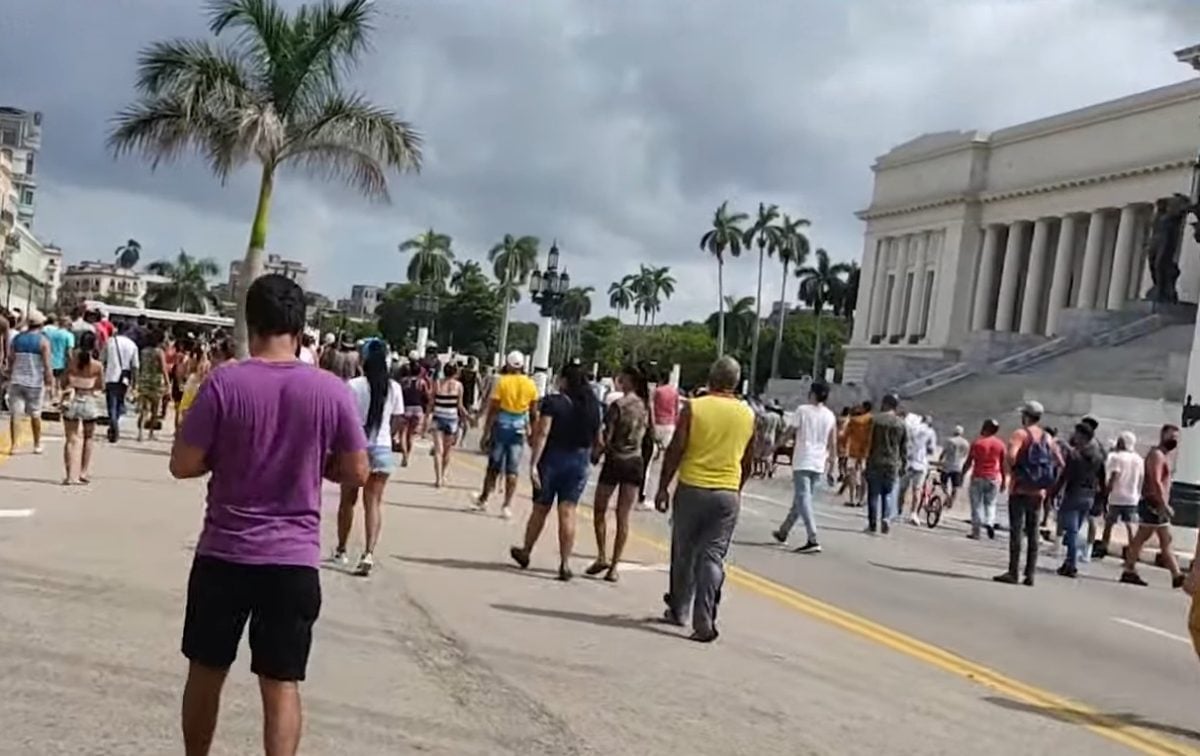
x=267 y=430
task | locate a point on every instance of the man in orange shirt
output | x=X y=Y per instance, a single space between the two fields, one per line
x=1033 y=461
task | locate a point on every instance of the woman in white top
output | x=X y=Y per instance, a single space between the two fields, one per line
x=381 y=408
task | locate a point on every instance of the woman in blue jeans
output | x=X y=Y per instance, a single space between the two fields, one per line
x=567 y=430
x=1080 y=479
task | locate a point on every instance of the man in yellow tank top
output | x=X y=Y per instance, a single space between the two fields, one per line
x=712 y=452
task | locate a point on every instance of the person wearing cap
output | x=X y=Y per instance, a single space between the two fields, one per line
x=886 y=462
x=29 y=372
x=344 y=361
x=1034 y=461
x=954 y=456
x=1123 y=471
x=511 y=411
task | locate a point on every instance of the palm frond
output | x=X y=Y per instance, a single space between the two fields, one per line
x=261 y=25
x=195 y=71
x=327 y=41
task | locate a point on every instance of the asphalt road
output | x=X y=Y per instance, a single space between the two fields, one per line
x=899 y=645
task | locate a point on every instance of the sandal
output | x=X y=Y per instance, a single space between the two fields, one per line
x=597 y=567
x=611 y=576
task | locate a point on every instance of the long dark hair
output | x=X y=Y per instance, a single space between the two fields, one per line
x=641 y=386
x=587 y=407
x=86 y=349
x=375 y=369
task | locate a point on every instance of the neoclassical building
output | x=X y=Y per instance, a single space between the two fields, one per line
x=980 y=244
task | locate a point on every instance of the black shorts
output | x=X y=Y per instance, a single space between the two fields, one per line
x=1148 y=514
x=59 y=372
x=280 y=601
x=622 y=470
x=952 y=479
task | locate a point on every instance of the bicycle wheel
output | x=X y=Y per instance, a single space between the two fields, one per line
x=933 y=511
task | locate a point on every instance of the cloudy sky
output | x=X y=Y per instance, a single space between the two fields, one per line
x=615 y=125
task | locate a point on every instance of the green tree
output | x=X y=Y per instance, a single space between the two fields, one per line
x=847 y=302
x=766 y=235
x=513 y=258
x=820 y=284
x=725 y=235
x=737 y=315
x=470 y=318
x=651 y=286
x=620 y=295
x=431 y=259
x=274 y=96
x=793 y=250
x=467 y=274
x=187 y=290
x=576 y=305
x=396 y=316
x=601 y=341
x=128 y=254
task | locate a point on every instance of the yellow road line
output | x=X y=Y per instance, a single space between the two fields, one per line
x=1107 y=726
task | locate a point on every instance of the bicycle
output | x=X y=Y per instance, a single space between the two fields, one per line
x=933 y=498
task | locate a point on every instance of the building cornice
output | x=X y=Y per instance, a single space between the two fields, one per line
x=872 y=213
x=1082 y=181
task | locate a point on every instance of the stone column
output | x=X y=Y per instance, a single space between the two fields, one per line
x=1122 y=258
x=1060 y=282
x=1090 y=276
x=986 y=279
x=1031 y=307
x=879 y=289
x=1010 y=277
x=894 y=325
x=921 y=244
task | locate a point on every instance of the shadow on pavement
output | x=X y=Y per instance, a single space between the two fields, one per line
x=432 y=508
x=931 y=573
x=147 y=450
x=648 y=624
x=429 y=484
x=42 y=481
x=1128 y=719
x=470 y=564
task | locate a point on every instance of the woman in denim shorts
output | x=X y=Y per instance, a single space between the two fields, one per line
x=567 y=431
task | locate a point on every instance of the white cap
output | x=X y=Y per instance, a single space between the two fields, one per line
x=414 y=355
x=35 y=318
x=1032 y=407
x=1129 y=439
x=515 y=359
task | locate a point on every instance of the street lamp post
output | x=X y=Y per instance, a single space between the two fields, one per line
x=425 y=304
x=547 y=290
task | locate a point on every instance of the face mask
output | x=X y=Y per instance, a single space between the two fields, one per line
x=1169 y=444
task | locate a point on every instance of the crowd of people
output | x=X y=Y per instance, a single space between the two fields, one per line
x=267 y=430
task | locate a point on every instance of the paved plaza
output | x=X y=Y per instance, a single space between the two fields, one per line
x=900 y=645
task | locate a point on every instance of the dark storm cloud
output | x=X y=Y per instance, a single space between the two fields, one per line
x=616 y=127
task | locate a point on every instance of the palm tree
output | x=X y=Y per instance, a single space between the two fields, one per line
x=274 y=96
x=187 y=290
x=725 y=234
x=466 y=273
x=820 y=285
x=513 y=259
x=845 y=305
x=620 y=294
x=738 y=315
x=765 y=234
x=128 y=254
x=793 y=250
x=576 y=305
x=431 y=261
x=662 y=285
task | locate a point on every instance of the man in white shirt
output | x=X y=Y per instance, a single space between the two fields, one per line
x=120 y=360
x=922 y=441
x=1123 y=470
x=815 y=453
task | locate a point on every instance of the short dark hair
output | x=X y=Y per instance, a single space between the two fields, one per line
x=819 y=391
x=1091 y=423
x=1169 y=428
x=141 y=320
x=866 y=406
x=450 y=370
x=275 y=306
x=990 y=427
x=890 y=402
x=1085 y=431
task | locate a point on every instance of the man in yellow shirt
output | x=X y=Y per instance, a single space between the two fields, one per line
x=712 y=452
x=512 y=410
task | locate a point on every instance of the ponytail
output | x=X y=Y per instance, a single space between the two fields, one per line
x=85 y=350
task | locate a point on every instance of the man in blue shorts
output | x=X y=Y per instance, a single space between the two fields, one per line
x=512 y=408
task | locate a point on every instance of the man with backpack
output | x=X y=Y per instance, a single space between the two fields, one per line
x=1034 y=462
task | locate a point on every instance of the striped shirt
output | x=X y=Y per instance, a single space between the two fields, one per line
x=445 y=400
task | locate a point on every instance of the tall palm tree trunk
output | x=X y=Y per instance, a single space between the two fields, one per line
x=817 y=351
x=252 y=264
x=508 y=262
x=757 y=325
x=720 y=307
x=782 y=321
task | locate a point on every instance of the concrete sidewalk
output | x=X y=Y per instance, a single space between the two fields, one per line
x=448 y=649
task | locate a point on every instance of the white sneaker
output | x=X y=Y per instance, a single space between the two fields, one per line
x=39 y=449
x=339 y=558
x=478 y=502
x=644 y=505
x=913 y=520
x=506 y=512
x=365 y=563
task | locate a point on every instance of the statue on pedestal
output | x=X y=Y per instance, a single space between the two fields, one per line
x=1162 y=246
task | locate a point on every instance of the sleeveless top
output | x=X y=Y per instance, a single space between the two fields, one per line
x=445 y=404
x=721 y=427
x=28 y=368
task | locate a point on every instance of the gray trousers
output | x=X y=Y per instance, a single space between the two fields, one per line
x=702 y=525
